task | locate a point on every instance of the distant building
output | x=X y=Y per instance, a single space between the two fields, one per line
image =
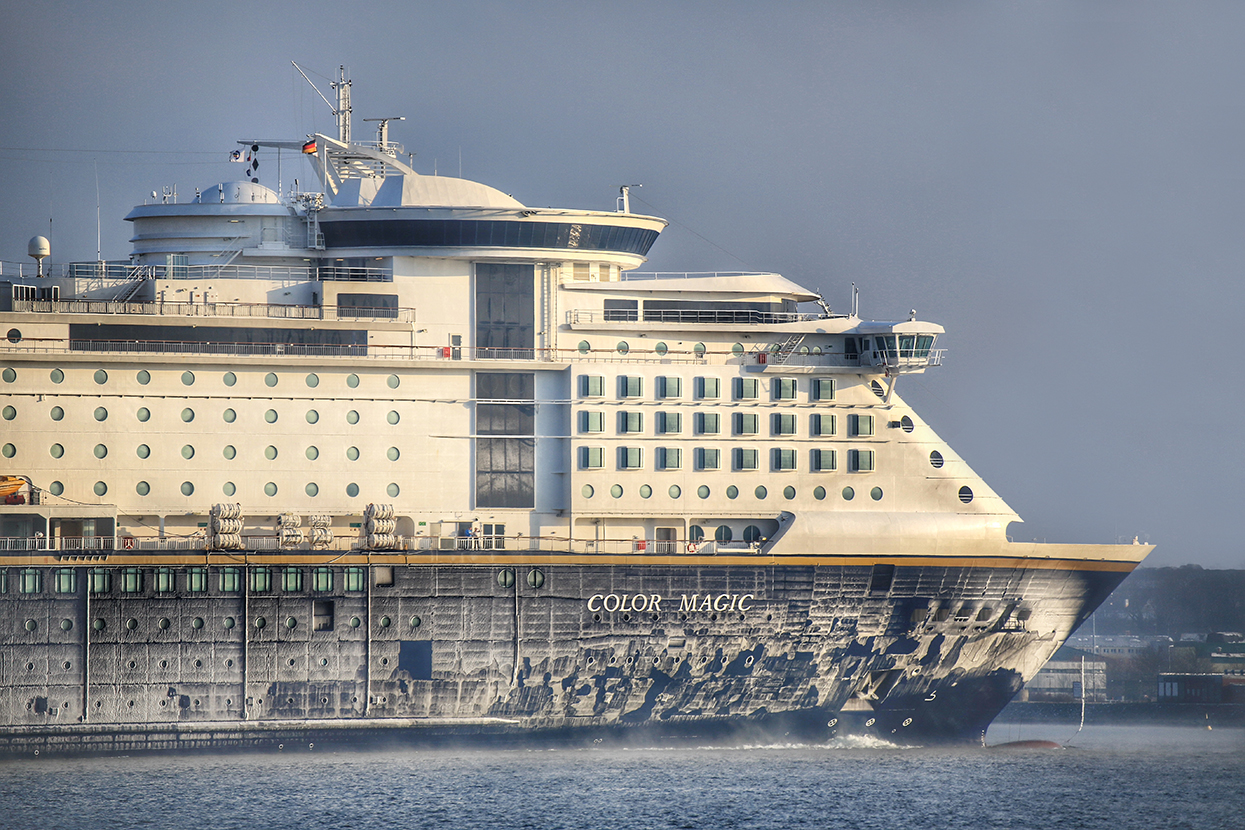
x=1113 y=645
x=1061 y=677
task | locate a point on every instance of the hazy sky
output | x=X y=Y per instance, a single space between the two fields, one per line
x=1060 y=184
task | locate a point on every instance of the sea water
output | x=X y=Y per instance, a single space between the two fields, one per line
x=1106 y=777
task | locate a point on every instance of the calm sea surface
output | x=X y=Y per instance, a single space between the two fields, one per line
x=1111 y=777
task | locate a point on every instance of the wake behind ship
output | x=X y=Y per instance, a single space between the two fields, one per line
x=404 y=457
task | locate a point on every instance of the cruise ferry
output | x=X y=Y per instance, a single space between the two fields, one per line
x=403 y=458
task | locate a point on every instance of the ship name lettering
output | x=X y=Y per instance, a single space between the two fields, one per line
x=693 y=604
x=625 y=602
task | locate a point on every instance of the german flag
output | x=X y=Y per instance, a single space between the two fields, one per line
x=310 y=146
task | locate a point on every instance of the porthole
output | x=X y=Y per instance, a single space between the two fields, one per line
x=661 y=349
x=535 y=578
x=188 y=415
x=352 y=417
x=312 y=490
x=270 y=489
x=392 y=454
x=393 y=381
x=188 y=378
x=935 y=459
x=142 y=488
x=696 y=533
x=31 y=625
x=271 y=416
x=291 y=623
x=230 y=416
x=393 y=417
x=877 y=389
x=101 y=414
x=586 y=491
x=312 y=453
x=313 y=380
x=616 y=491
x=101 y=451
x=703 y=491
x=905 y=423
x=131 y=624
x=142 y=451
x=100 y=624
x=57 y=413
x=66 y=625
x=57 y=376
x=819 y=493
x=393 y=490
x=143 y=414
x=788 y=492
x=312 y=416
x=230 y=622
x=352 y=490
x=56 y=450
x=229 y=488
x=230 y=452
x=14 y=336
x=270 y=452
x=699 y=349
x=584 y=347
x=101 y=377
x=848 y=494
x=646 y=491
x=56 y=488
x=164 y=623
x=261 y=622
x=270 y=379
x=229 y=378
x=623 y=347
x=352 y=381
x=415 y=621
x=8 y=450
x=675 y=491
x=966 y=494
x=9 y=413
x=188 y=452
x=732 y=492
x=385 y=622
x=737 y=350
x=352 y=453
x=143 y=377
x=197 y=623
x=876 y=494
x=723 y=534
x=760 y=492
x=505 y=578
x=188 y=488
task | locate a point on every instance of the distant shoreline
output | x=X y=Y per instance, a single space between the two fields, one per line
x=1125 y=713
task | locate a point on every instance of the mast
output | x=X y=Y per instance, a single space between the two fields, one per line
x=343 y=105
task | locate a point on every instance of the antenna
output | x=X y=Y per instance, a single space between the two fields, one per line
x=382 y=130
x=342 y=111
x=624 y=197
x=855 y=301
x=98 y=246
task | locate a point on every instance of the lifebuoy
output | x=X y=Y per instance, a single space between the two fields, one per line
x=691 y=547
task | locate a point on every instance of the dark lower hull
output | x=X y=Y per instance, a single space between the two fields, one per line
x=531 y=648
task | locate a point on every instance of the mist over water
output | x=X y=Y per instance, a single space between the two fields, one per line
x=1158 y=777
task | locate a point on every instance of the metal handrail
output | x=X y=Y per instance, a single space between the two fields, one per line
x=211 y=309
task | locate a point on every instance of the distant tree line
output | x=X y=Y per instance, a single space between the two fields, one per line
x=1174 y=601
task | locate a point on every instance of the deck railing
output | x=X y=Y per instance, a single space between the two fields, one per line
x=232 y=310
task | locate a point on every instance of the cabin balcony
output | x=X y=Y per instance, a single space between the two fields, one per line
x=679 y=319
x=268 y=311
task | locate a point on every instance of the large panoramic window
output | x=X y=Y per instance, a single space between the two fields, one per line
x=505 y=311
x=505 y=467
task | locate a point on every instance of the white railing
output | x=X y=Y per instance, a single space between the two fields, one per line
x=688 y=275
x=125 y=271
x=207 y=309
x=716 y=317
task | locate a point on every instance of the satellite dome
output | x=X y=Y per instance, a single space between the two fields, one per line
x=39 y=247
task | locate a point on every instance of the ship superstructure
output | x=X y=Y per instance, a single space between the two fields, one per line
x=406 y=454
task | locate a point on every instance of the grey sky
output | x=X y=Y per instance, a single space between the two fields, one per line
x=1059 y=184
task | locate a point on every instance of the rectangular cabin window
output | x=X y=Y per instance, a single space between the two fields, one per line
x=30 y=581
x=823 y=461
x=746 y=389
x=708 y=423
x=4 y=580
x=322 y=615
x=630 y=386
x=591 y=386
x=708 y=458
x=860 y=461
x=164 y=581
x=708 y=388
x=101 y=581
x=783 y=459
x=822 y=425
x=630 y=422
x=66 y=581
x=132 y=580
x=860 y=426
x=230 y=580
x=196 y=579
x=669 y=458
x=823 y=389
x=630 y=458
x=367 y=305
x=745 y=458
x=591 y=458
x=745 y=423
x=322 y=581
x=356 y=579
x=622 y=311
x=881 y=578
x=382 y=576
x=591 y=421
x=783 y=423
x=260 y=578
x=669 y=423
x=669 y=387
x=292 y=580
x=784 y=389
